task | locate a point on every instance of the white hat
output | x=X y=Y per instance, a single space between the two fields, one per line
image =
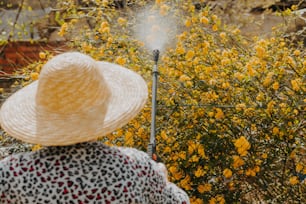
x=76 y=99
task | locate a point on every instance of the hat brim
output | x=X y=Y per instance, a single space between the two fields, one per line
x=20 y=119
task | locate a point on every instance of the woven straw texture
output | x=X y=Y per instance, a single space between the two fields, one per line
x=75 y=100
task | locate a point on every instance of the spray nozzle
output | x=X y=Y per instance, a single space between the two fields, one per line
x=155 y=55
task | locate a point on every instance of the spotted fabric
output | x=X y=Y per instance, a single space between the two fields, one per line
x=85 y=173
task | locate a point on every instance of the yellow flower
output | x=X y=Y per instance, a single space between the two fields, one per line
x=264 y=155
x=199 y=172
x=206 y=44
x=163 y=135
x=242 y=146
x=275 y=131
x=236 y=31
x=282 y=44
x=214 y=17
x=225 y=61
x=120 y=60
x=211 y=114
x=250 y=172
x=63 y=29
x=240 y=107
x=212 y=201
x=260 y=51
x=182 y=155
x=270 y=106
x=227 y=173
x=104 y=30
x=295 y=84
x=129 y=140
x=186 y=183
x=204 y=20
x=180 y=50
x=36 y=147
x=294 y=180
x=86 y=47
x=188 y=84
x=294 y=7
x=226 y=85
x=214 y=27
x=220 y=199
x=204 y=188
x=291 y=61
x=275 y=86
x=267 y=81
x=231 y=186
x=172 y=169
x=201 y=151
x=299 y=167
x=105 y=3
x=194 y=200
x=250 y=69
x=184 y=78
x=121 y=21
x=34 y=76
x=191 y=9
x=104 y=27
x=219 y=114
x=42 y=55
x=223 y=35
x=239 y=76
x=204 y=12
x=250 y=112
x=297 y=52
x=191 y=147
x=1 y=90
x=194 y=158
x=256 y=169
x=167 y=150
x=104 y=24
x=178 y=175
x=237 y=161
x=211 y=95
x=38 y=68
x=175 y=173
x=189 y=55
x=74 y=21
x=188 y=23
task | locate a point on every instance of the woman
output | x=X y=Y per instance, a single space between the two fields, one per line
x=75 y=100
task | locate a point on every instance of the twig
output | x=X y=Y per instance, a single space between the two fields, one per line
x=16 y=19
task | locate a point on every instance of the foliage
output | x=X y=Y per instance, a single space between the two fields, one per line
x=231 y=110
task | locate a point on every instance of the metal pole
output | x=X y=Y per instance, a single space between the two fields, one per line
x=152 y=144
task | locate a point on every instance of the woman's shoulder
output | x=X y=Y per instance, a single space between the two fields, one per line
x=17 y=157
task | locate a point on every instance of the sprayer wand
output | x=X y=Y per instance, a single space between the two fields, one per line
x=152 y=144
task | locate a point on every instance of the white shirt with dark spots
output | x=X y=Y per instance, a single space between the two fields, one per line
x=85 y=173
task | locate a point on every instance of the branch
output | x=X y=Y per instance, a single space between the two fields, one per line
x=16 y=19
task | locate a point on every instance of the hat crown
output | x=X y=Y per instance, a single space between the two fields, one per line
x=67 y=78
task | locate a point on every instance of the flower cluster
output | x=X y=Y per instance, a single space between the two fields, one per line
x=242 y=146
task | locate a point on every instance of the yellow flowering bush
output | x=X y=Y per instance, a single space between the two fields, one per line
x=231 y=110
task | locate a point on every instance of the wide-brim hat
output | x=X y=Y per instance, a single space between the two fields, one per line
x=76 y=99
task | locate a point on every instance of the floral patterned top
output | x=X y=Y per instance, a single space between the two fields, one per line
x=85 y=173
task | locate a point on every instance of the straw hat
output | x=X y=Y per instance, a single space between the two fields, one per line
x=75 y=100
